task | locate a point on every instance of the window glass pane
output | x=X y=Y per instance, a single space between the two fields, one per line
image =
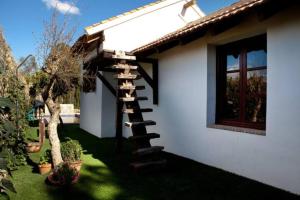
x=233 y=62
x=256 y=96
x=232 y=103
x=256 y=58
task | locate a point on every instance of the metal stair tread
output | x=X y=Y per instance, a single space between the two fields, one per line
x=125 y=66
x=145 y=136
x=132 y=111
x=143 y=123
x=139 y=165
x=148 y=150
x=127 y=76
x=129 y=99
x=131 y=87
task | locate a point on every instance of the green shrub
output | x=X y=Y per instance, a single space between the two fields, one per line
x=71 y=150
x=12 y=144
x=46 y=157
x=64 y=175
x=5 y=183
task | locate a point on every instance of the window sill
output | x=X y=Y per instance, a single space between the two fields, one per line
x=238 y=129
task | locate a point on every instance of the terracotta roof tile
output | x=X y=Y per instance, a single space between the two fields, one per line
x=219 y=15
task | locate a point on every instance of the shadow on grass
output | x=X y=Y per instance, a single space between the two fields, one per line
x=182 y=179
x=34 y=165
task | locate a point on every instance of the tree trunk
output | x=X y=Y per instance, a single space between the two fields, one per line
x=258 y=104
x=256 y=110
x=54 y=110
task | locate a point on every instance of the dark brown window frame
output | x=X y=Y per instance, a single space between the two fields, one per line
x=241 y=47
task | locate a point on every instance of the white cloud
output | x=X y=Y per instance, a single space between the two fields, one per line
x=63 y=7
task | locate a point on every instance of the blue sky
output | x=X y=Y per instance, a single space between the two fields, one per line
x=22 y=20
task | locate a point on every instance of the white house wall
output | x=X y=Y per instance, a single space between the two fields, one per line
x=108 y=110
x=98 y=109
x=187 y=102
x=146 y=28
x=187 y=105
x=90 y=110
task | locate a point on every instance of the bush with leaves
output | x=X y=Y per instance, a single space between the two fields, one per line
x=5 y=183
x=12 y=145
x=63 y=175
x=46 y=157
x=71 y=150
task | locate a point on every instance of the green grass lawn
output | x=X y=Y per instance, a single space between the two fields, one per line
x=107 y=176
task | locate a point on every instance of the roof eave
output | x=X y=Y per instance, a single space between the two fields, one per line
x=191 y=33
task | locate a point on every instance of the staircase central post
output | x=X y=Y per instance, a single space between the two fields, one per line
x=119 y=121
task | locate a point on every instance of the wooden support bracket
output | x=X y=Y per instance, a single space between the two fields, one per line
x=153 y=82
x=107 y=84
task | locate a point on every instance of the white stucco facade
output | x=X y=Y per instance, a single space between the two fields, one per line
x=187 y=105
x=187 y=99
x=90 y=110
x=133 y=30
x=148 y=27
x=127 y=33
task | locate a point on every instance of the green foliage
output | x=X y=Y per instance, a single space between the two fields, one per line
x=39 y=80
x=7 y=128
x=12 y=145
x=5 y=183
x=5 y=103
x=71 y=150
x=64 y=175
x=45 y=157
x=72 y=97
x=13 y=159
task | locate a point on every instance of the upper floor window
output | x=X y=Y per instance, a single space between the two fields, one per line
x=242 y=83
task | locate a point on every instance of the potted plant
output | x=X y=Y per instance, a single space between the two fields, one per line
x=45 y=162
x=71 y=152
x=64 y=175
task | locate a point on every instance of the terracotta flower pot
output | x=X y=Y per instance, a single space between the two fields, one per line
x=53 y=181
x=45 y=168
x=76 y=165
x=33 y=147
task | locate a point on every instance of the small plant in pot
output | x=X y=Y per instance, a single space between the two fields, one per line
x=45 y=162
x=63 y=175
x=71 y=152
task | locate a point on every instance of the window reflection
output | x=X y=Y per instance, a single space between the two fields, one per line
x=233 y=95
x=242 y=83
x=256 y=58
x=233 y=62
x=256 y=96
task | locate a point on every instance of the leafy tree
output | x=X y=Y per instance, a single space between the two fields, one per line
x=58 y=76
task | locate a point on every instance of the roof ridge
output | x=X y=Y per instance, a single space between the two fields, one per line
x=222 y=11
x=125 y=13
x=217 y=15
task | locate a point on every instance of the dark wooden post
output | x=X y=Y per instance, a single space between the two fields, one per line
x=41 y=131
x=119 y=121
x=155 y=81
